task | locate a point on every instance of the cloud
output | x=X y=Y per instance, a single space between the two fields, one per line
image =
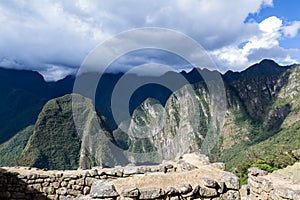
x=264 y=44
x=291 y=30
x=55 y=72
x=42 y=34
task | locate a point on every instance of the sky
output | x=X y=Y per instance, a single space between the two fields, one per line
x=54 y=37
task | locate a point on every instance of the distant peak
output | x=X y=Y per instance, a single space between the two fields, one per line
x=268 y=62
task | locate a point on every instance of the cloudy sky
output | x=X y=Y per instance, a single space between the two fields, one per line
x=54 y=37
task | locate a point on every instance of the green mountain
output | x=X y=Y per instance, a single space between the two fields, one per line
x=256 y=123
x=11 y=150
x=62 y=141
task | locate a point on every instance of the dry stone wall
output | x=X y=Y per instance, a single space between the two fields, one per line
x=280 y=185
x=98 y=183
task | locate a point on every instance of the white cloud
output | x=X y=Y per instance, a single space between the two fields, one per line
x=292 y=30
x=268 y=37
x=41 y=34
x=55 y=73
x=264 y=44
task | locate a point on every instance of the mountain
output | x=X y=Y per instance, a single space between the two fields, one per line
x=269 y=142
x=264 y=68
x=23 y=94
x=259 y=111
x=11 y=150
x=58 y=143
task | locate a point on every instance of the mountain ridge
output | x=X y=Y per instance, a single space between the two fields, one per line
x=254 y=103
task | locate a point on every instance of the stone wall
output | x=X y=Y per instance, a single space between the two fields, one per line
x=264 y=186
x=97 y=183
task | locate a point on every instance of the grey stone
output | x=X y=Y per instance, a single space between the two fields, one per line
x=175 y=198
x=111 y=172
x=187 y=166
x=132 y=171
x=62 y=191
x=101 y=189
x=151 y=193
x=119 y=172
x=208 y=192
x=127 y=198
x=49 y=190
x=43 y=176
x=286 y=193
x=255 y=171
x=58 y=175
x=231 y=181
x=196 y=190
x=100 y=172
x=130 y=192
x=208 y=182
x=71 y=176
x=230 y=195
x=186 y=188
x=32 y=176
x=244 y=191
x=86 y=190
x=21 y=176
x=93 y=172
x=266 y=185
x=171 y=191
x=87 y=174
x=221 y=187
x=89 y=181
x=169 y=166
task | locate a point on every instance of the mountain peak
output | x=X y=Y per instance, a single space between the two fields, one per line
x=266 y=67
x=268 y=62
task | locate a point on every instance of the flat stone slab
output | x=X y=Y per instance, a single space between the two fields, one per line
x=101 y=189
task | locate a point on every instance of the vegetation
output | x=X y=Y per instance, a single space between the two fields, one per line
x=271 y=154
x=11 y=150
x=55 y=143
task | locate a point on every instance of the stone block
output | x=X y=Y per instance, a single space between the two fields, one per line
x=231 y=181
x=101 y=189
x=151 y=193
x=208 y=192
x=230 y=195
x=208 y=182
x=130 y=192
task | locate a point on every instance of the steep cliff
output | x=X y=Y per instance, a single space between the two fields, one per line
x=61 y=142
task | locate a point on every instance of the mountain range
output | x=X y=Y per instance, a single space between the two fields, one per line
x=260 y=119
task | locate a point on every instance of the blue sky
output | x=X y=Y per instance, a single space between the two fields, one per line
x=287 y=11
x=54 y=37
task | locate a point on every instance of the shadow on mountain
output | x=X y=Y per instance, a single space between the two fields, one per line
x=13 y=187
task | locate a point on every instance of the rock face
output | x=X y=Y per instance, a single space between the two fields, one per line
x=163 y=133
x=257 y=108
